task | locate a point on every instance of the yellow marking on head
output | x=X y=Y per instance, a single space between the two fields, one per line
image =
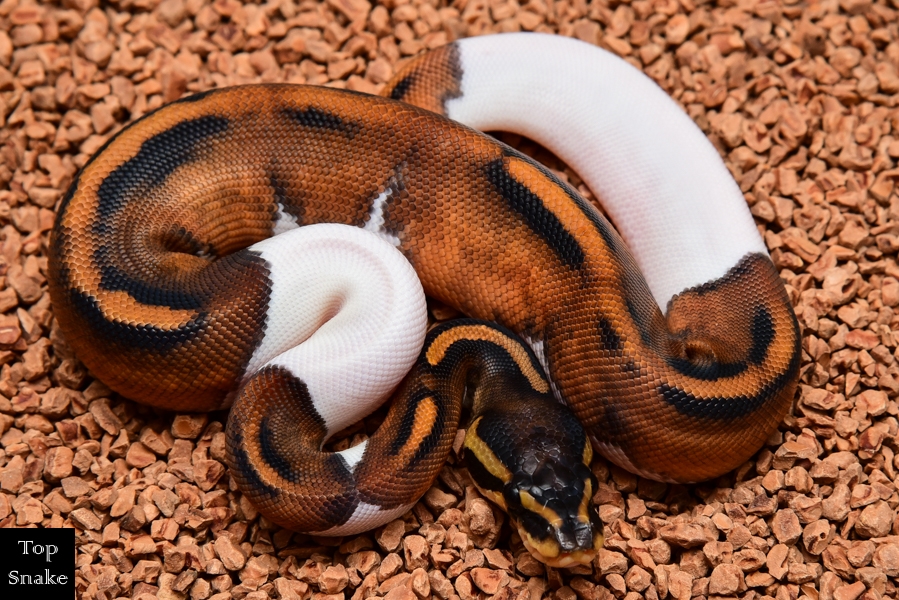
x=588 y=452
x=439 y=347
x=473 y=443
x=583 y=511
x=530 y=503
x=495 y=497
x=543 y=550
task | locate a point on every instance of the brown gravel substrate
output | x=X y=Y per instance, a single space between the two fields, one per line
x=799 y=97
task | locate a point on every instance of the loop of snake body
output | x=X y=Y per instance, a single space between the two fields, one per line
x=167 y=282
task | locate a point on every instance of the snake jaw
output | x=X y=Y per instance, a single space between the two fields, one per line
x=563 y=560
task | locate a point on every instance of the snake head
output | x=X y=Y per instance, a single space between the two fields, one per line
x=536 y=467
x=550 y=502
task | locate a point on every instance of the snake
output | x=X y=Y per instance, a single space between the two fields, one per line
x=270 y=249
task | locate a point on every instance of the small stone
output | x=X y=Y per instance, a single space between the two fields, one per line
x=207 y=473
x=189 y=427
x=637 y=579
x=835 y=559
x=74 y=487
x=440 y=585
x=860 y=553
x=639 y=553
x=685 y=535
x=680 y=585
x=497 y=559
x=817 y=536
x=140 y=544
x=390 y=566
x=139 y=456
x=230 y=555
x=849 y=592
x=676 y=29
x=363 y=561
x=489 y=580
x=749 y=559
x=333 y=579
x=617 y=585
x=529 y=566
x=400 y=592
x=836 y=506
x=438 y=500
x=146 y=570
x=420 y=584
x=482 y=522
x=30 y=511
x=390 y=537
x=886 y=557
x=759 y=579
x=875 y=520
x=786 y=527
x=862 y=495
x=415 y=550
x=397 y=581
x=726 y=579
x=58 y=463
x=777 y=561
x=288 y=589
x=609 y=561
x=105 y=417
x=718 y=552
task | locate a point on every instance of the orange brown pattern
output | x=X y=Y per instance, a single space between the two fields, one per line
x=428 y=80
x=151 y=287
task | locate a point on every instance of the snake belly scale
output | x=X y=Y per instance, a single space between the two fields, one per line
x=167 y=283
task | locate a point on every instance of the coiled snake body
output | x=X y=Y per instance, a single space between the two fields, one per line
x=165 y=280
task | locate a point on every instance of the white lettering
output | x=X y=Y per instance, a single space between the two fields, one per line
x=49 y=549
x=46 y=579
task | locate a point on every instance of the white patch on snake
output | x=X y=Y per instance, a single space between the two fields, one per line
x=539 y=348
x=367 y=517
x=375 y=221
x=346 y=315
x=352 y=456
x=284 y=221
x=660 y=179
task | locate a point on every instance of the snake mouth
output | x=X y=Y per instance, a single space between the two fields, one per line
x=563 y=560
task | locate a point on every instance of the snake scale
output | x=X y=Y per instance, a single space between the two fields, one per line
x=168 y=280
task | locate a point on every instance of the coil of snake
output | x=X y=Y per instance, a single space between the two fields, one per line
x=167 y=282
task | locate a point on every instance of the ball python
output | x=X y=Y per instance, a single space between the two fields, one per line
x=169 y=281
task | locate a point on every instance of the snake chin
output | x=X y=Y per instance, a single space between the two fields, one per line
x=562 y=560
